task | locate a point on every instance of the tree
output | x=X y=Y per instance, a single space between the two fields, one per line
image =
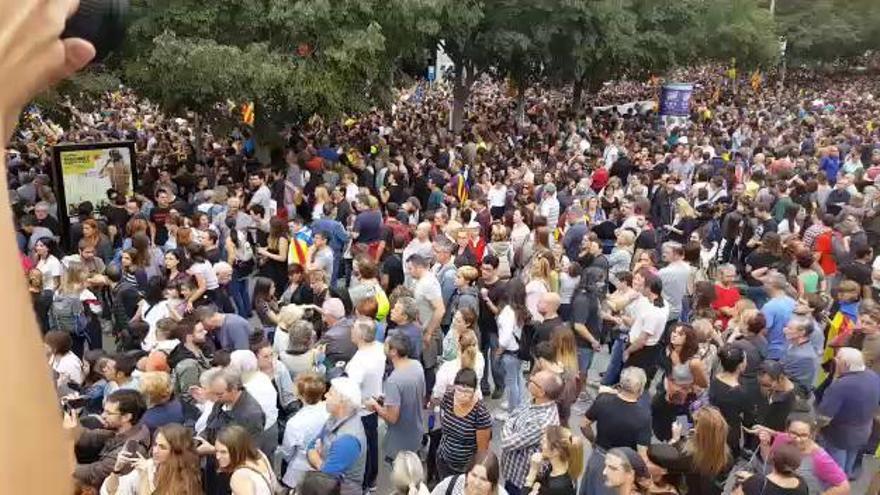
x=739 y=29
x=828 y=30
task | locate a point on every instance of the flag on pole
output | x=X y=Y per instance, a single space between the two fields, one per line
x=756 y=80
x=247 y=113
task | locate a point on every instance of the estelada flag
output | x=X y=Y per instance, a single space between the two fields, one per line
x=756 y=80
x=247 y=113
x=839 y=329
x=462 y=190
x=300 y=242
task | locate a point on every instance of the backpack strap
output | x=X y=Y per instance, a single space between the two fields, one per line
x=452 y=484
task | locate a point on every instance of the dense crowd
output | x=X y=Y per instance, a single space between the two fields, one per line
x=242 y=326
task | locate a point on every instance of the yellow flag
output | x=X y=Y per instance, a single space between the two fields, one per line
x=247 y=113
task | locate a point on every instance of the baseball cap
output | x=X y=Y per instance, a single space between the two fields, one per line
x=347 y=388
x=333 y=307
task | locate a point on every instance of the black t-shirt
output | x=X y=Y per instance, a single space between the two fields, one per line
x=734 y=406
x=158 y=216
x=858 y=272
x=760 y=259
x=585 y=310
x=51 y=223
x=758 y=484
x=488 y=324
x=620 y=423
x=555 y=485
x=544 y=329
x=774 y=414
x=393 y=267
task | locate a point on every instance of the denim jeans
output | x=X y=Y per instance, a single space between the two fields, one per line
x=585 y=360
x=513 y=380
x=615 y=365
x=238 y=288
x=846 y=459
x=494 y=364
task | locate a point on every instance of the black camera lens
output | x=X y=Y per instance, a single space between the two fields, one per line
x=101 y=22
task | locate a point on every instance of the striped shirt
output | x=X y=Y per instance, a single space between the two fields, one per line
x=459 y=441
x=521 y=437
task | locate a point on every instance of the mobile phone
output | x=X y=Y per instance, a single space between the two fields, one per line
x=380 y=399
x=76 y=403
x=131 y=447
x=684 y=422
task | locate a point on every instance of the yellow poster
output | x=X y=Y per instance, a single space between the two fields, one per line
x=95 y=173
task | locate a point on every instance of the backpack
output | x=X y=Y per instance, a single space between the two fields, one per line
x=525 y=342
x=398 y=228
x=502 y=251
x=68 y=314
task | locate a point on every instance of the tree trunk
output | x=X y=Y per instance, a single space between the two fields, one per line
x=577 y=95
x=460 y=92
x=520 y=105
x=197 y=129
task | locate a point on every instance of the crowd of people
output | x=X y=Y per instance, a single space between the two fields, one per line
x=385 y=295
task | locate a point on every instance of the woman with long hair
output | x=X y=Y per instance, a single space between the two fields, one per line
x=75 y=309
x=93 y=237
x=299 y=287
x=147 y=256
x=539 y=283
x=482 y=478
x=704 y=452
x=469 y=356
x=265 y=305
x=684 y=222
x=239 y=254
x=465 y=423
x=465 y=295
x=273 y=256
x=46 y=260
x=554 y=470
x=132 y=273
x=173 y=467
x=237 y=454
x=594 y=212
x=511 y=319
x=203 y=273
x=176 y=265
x=545 y=359
x=62 y=360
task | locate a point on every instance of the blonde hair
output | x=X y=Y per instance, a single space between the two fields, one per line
x=569 y=447
x=499 y=233
x=407 y=474
x=684 y=208
x=565 y=346
x=467 y=349
x=540 y=270
x=156 y=387
x=73 y=279
x=321 y=195
x=708 y=445
x=626 y=239
x=468 y=273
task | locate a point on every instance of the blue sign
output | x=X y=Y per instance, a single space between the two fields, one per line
x=432 y=73
x=675 y=100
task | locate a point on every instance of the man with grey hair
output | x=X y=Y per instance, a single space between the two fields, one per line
x=341 y=446
x=444 y=268
x=846 y=412
x=777 y=311
x=574 y=234
x=615 y=419
x=405 y=315
x=801 y=362
x=366 y=369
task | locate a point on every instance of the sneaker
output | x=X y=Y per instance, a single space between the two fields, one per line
x=501 y=416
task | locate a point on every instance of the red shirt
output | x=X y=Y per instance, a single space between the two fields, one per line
x=725 y=298
x=826 y=256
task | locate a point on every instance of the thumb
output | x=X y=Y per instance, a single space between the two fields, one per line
x=77 y=54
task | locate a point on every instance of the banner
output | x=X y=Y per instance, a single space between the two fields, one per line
x=91 y=172
x=675 y=100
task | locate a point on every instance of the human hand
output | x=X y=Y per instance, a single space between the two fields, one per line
x=536 y=459
x=597 y=346
x=625 y=356
x=203 y=447
x=123 y=460
x=70 y=421
x=32 y=54
x=140 y=462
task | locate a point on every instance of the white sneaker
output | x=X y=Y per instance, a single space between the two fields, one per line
x=501 y=416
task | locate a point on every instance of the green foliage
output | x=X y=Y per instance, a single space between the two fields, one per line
x=829 y=30
x=740 y=29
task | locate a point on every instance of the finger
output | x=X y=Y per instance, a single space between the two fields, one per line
x=72 y=7
x=77 y=54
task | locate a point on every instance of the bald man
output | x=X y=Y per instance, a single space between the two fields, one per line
x=548 y=307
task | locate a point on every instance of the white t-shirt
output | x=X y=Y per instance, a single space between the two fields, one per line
x=68 y=365
x=151 y=315
x=204 y=269
x=366 y=368
x=649 y=319
x=445 y=377
x=497 y=196
x=51 y=268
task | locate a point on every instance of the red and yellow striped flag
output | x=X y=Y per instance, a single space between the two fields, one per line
x=462 y=190
x=247 y=113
